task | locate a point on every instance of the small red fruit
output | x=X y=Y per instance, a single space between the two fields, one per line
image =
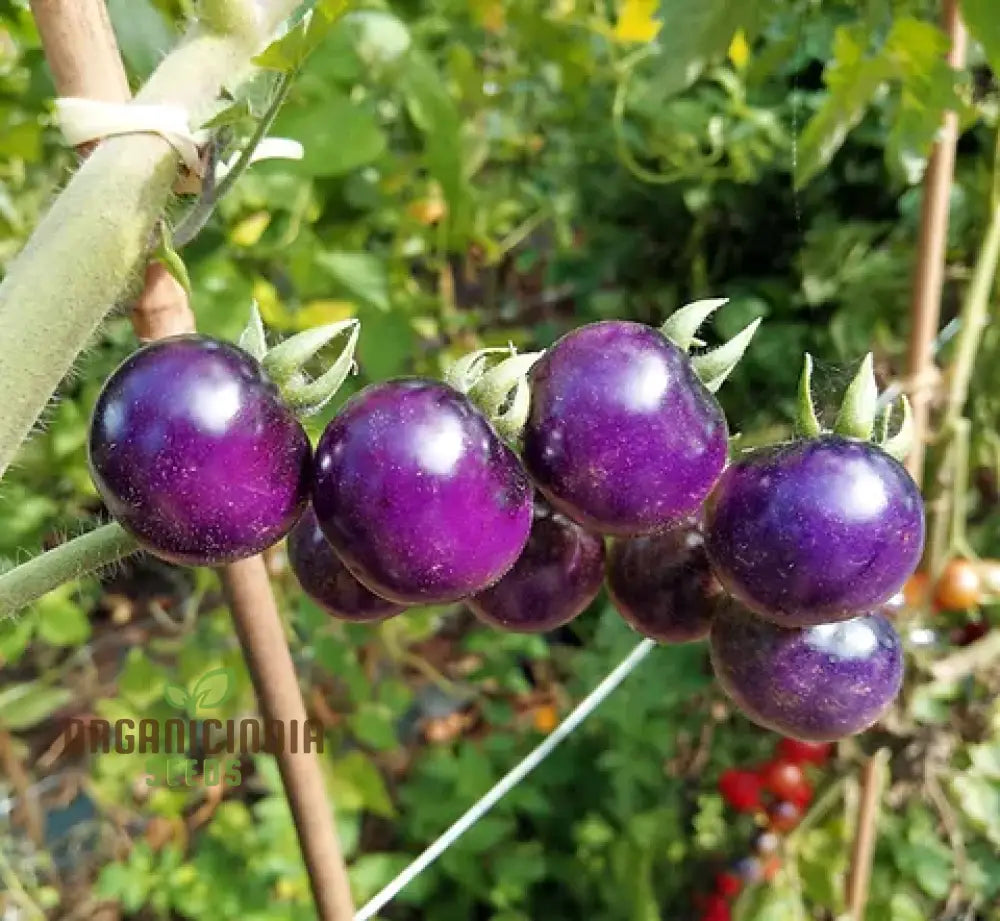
x=728 y=885
x=784 y=816
x=741 y=789
x=799 y=752
x=917 y=590
x=770 y=867
x=716 y=908
x=787 y=781
x=959 y=586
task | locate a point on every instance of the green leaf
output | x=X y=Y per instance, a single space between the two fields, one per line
x=142 y=32
x=370 y=872
x=904 y=907
x=693 y=33
x=434 y=112
x=26 y=705
x=983 y=22
x=363 y=275
x=213 y=688
x=338 y=136
x=357 y=785
x=853 y=78
x=291 y=50
x=61 y=621
x=979 y=799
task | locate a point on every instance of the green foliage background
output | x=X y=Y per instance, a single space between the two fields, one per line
x=478 y=172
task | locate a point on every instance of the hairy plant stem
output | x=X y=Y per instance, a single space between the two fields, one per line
x=94 y=239
x=69 y=561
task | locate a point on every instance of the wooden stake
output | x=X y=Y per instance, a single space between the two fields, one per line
x=83 y=55
x=925 y=313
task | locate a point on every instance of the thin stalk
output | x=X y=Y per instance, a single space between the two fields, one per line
x=195 y=220
x=69 y=561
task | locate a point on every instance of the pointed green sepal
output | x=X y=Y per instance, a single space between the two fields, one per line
x=682 y=325
x=714 y=367
x=806 y=421
x=856 y=418
x=511 y=419
x=900 y=444
x=253 y=338
x=502 y=394
x=307 y=397
x=288 y=357
x=466 y=372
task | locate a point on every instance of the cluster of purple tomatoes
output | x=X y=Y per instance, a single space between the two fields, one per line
x=783 y=556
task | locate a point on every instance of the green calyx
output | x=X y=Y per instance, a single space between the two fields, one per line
x=713 y=367
x=498 y=388
x=862 y=415
x=285 y=363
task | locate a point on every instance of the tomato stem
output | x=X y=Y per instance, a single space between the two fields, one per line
x=72 y=560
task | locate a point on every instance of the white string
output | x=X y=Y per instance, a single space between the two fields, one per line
x=85 y=120
x=510 y=780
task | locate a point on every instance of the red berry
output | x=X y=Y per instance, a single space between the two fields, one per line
x=716 y=908
x=728 y=885
x=783 y=817
x=770 y=867
x=741 y=789
x=799 y=752
x=787 y=781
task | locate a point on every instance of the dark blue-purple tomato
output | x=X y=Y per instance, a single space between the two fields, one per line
x=556 y=576
x=622 y=436
x=816 y=683
x=194 y=453
x=326 y=580
x=663 y=585
x=814 y=531
x=418 y=495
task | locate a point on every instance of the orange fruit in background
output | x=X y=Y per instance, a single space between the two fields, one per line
x=916 y=590
x=958 y=587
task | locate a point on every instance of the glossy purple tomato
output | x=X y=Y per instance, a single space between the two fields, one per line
x=622 y=436
x=326 y=580
x=193 y=451
x=418 y=495
x=556 y=576
x=814 y=531
x=812 y=683
x=663 y=585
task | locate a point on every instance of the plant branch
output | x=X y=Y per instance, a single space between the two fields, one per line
x=94 y=239
x=69 y=561
x=195 y=220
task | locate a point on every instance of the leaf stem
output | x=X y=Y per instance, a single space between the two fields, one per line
x=195 y=220
x=72 y=560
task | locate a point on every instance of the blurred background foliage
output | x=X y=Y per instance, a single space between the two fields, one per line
x=484 y=172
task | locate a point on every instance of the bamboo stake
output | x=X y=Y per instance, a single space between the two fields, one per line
x=83 y=55
x=925 y=312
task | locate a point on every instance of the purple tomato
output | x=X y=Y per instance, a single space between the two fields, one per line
x=663 y=585
x=622 y=436
x=418 y=495
x=816 y=683
x=556 y=576
x=194 y=453
x=326 y=580
x=814 y=531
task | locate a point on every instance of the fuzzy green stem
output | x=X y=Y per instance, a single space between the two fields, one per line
x=974 y=315
x=72 y=560
x=92 y=242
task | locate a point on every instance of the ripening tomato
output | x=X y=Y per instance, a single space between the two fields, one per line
x=799 y=752
x=741 y=789
x=958 y=587
x=770 y=867
x=787 y=781
x=727 y=884
x=715 y=908
x=917 y=590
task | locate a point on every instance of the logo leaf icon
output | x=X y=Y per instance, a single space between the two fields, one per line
x=176 y=696
x=213 y=688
